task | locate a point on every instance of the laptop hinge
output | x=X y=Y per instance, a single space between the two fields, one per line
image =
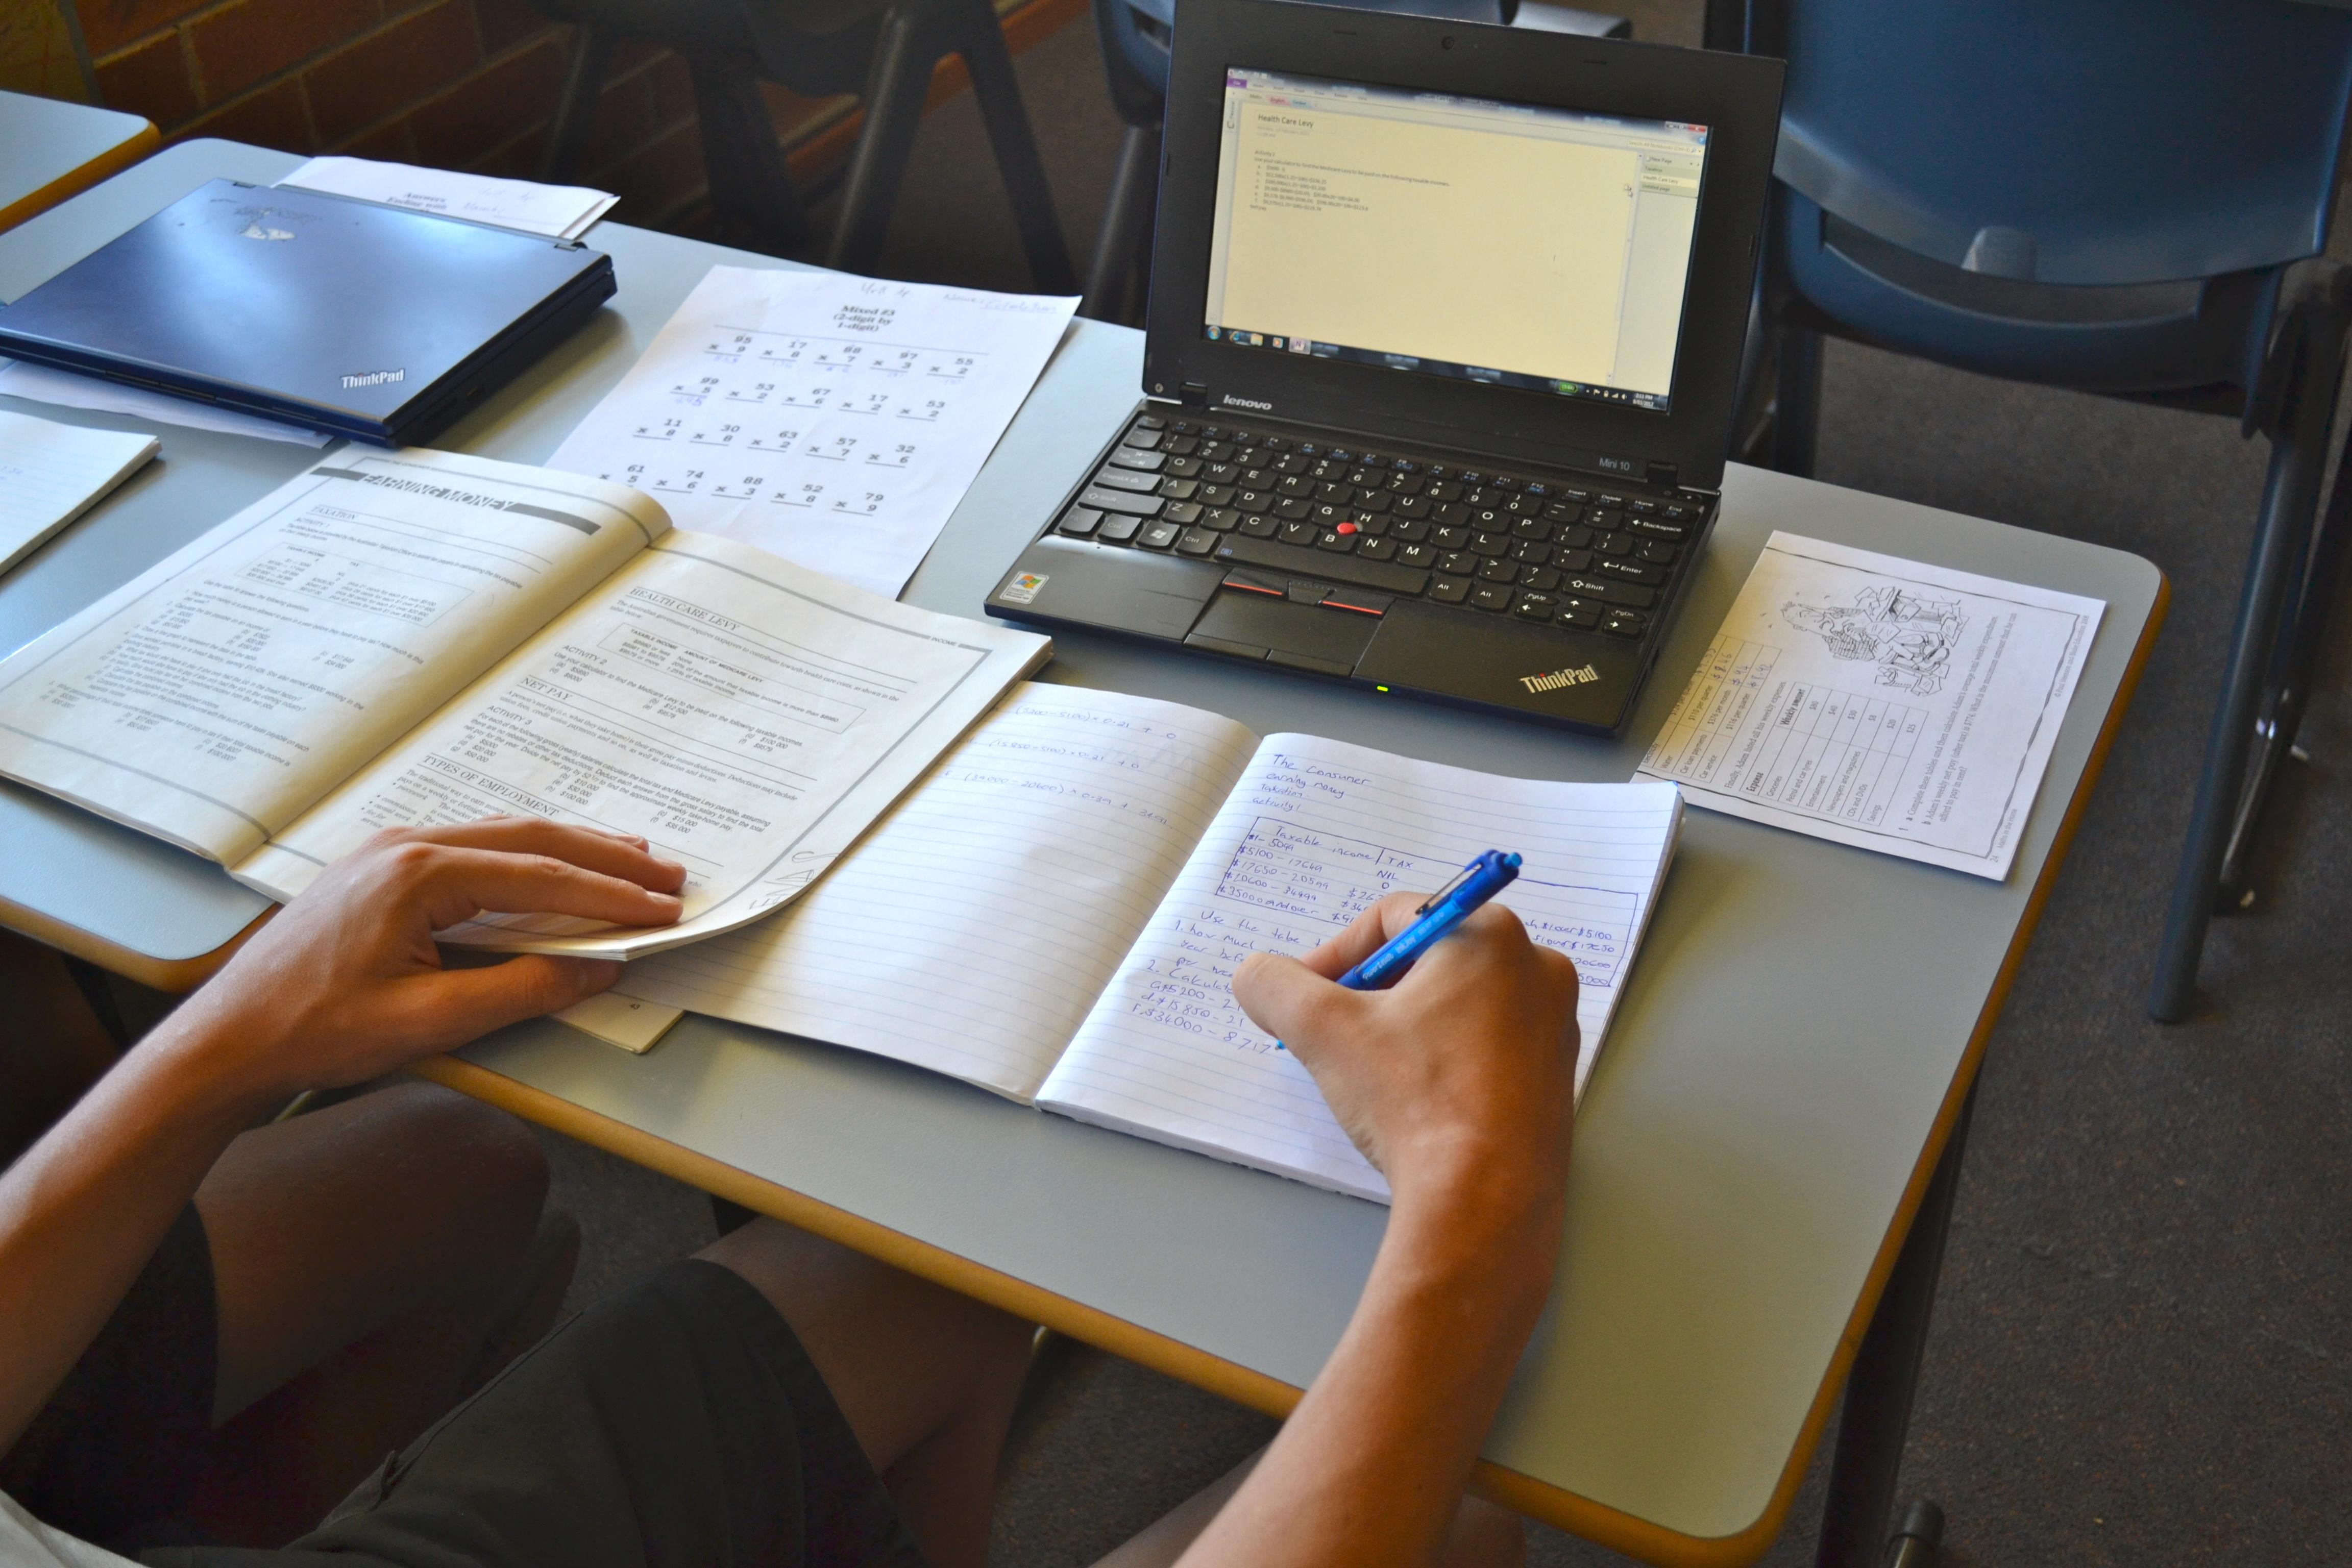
x=1661 y=476
x=1192 y=395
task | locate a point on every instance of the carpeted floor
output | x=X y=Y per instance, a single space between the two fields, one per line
x=2141 y=1352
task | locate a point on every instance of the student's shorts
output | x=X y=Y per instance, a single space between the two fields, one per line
x=676 y=1423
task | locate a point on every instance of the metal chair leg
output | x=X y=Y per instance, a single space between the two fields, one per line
x=576 y=104
x=1797 y=404
x=2282 y=547
x=751 y=192
x=1125 y=225
x=1920 y=1541
x=2319 y=588
x=896 y=88
x=1876 y=1414
x=1018 y=164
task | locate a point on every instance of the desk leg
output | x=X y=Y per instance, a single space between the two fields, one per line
x=1878 y=1413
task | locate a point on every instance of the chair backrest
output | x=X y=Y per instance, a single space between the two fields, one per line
x=2078 y=142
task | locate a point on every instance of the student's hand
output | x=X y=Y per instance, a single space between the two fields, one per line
x=1459 y=1079
x=345 y=982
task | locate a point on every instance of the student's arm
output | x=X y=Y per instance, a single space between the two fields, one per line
x=1459 y=1084
x=343 y=985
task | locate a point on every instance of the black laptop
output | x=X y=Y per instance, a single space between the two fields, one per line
x=1443 y=347
x=340 y=315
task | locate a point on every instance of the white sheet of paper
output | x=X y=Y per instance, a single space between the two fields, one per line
x=559 y=212
x=39 y=383
x=832 y=420
x=1882 y=703
x=51 y=473
x=1316 y=831
x=970 y=931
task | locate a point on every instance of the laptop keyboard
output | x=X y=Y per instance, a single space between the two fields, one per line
x=1570 y=554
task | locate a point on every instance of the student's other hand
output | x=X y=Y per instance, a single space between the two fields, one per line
x=345 y=982
x=1460 y=1078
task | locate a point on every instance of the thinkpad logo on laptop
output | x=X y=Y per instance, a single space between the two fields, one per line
x=1559 y=678
x=376 y=378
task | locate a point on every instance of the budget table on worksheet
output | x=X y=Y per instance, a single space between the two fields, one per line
x=1750 y=1151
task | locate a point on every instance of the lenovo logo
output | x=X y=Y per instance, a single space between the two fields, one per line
x=1230 y=401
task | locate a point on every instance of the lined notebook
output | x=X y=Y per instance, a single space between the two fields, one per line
x=50 y=474
x=1057 y=910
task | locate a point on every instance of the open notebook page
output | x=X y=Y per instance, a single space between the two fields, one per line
x=971 y=930
x=1316 y=831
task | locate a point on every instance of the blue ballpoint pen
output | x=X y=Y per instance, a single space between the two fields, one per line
x=1440 y=913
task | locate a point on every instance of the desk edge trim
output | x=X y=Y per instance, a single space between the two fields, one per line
x=178 y=976
x=134 y=149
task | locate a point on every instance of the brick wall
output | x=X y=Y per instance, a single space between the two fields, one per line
x=456 y=84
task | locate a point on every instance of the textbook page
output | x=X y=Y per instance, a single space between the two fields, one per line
x=835 y=420
x=217 y=696
x=1878 y=702
x=747 y=719
x=1316 y=831
x=50 y=474
x=973 y=927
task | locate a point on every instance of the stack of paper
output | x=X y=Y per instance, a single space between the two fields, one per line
x=44 y=384
x=559 y=212
x=51 y=474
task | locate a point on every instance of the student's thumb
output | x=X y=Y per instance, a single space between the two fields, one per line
x=1290 y=1001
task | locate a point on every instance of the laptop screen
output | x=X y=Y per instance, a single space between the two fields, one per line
x=1411 y=230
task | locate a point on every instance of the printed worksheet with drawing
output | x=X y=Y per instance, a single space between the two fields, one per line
x=1056 y=912
x=1878 y=702
x=831 y=420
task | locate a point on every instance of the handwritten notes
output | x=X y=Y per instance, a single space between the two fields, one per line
x=833 y=420
x=1313 y=833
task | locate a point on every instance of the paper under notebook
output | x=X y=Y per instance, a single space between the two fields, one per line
x=1057 y=910
x=415 y=639
x=52 y=473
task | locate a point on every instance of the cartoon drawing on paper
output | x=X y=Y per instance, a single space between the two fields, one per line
x=1909 y=637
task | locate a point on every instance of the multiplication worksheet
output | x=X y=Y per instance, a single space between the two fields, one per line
x=833 y=420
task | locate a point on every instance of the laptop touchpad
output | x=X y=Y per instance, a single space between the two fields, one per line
x=1302 y=635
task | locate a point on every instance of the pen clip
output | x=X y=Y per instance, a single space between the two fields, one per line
x=1459 y=878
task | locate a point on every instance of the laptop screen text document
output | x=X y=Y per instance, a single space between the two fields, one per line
x=1415 y=230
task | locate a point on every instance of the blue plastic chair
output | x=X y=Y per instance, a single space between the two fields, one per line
x=2122 y=197
x=1135 y=35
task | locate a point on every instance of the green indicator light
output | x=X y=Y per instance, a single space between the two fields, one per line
x=1379 y=689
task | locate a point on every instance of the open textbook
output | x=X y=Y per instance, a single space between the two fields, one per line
x=1056 y=912
x=417 y=638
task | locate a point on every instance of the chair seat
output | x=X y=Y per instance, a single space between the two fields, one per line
x=2134 y=340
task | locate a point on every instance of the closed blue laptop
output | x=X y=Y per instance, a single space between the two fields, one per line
x=340 y=315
